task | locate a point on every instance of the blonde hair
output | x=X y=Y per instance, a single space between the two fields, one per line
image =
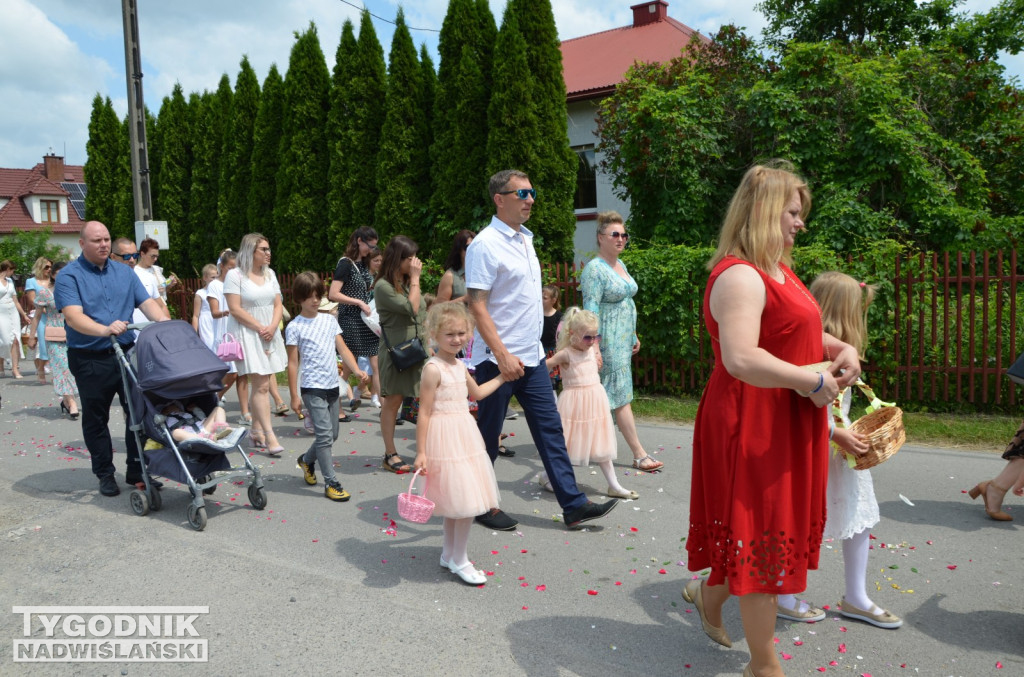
x=752 y=227
x=443 y=314
x=605 y=219
x=844 y=307
x=575 y=320
x=246 y=251
x=37 y=267
x=210 y=269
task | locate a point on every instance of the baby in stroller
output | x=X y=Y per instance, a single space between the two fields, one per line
x=185 y=422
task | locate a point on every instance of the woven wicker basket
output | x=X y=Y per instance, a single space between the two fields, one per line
x=415 y=508
x=883 y=429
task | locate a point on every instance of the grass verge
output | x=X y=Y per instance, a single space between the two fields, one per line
x=956 y=431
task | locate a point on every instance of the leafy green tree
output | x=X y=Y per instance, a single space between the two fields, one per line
x=175 y=173
x=301 y=209
x=916 y=145
x=102 y=167
x=366 y=95
x=460 y=126
x=889 y=22
x=236 y=165
x=402 y=140
x=266 y=144
x=339 y=121
x=22 y=248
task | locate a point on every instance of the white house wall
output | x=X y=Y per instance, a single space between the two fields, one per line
x=582 y=131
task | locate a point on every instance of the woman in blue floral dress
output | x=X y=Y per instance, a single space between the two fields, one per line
x=608 y=291
x=47 y=315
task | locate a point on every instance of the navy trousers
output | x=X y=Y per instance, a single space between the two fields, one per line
x=533 y=391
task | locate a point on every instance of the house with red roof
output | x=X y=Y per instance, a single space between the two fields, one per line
x=592 y=66
x=50 y=195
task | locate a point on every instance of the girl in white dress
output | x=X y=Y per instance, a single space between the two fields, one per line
x=202 y=317
x=254 y=300
x=852 y=508
x=448 y=443
x=219 y=311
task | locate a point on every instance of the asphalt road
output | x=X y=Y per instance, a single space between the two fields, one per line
x=310 y=586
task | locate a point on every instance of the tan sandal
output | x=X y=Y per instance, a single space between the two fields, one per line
x=396 y=464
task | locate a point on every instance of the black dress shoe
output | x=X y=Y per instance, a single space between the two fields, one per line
x=497 y=520
x=108 y=486
x=588 y=511
x=133 y=480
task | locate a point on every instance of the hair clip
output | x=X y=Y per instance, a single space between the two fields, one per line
x=863 y=284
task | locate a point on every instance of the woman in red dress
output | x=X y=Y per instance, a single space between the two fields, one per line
x=760 y=451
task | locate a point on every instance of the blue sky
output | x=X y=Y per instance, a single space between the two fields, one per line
x=56 y=55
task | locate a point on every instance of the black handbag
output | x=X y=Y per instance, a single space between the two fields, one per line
x=406 y=354
x=1016 y=371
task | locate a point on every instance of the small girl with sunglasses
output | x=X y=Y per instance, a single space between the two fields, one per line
x=583 y=405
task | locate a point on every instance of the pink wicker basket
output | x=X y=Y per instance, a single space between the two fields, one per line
x=415 y=508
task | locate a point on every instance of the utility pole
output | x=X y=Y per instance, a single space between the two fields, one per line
x=136 y=114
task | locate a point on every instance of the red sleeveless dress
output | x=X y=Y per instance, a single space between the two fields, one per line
x=760 y=457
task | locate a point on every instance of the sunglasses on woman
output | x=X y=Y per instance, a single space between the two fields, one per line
x=616 y=235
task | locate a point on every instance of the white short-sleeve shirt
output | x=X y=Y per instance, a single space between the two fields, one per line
x=502 y=261
x=152 y=290
x=315 y=339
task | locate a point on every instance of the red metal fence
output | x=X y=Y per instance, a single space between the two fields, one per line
x=948 y=334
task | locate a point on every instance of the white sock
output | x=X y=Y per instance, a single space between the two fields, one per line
x=609 y=474
x=787 y=601
x=448 y=543
x=855 y=561
x=458 y=556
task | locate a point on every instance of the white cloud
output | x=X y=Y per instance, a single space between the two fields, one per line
x=45 y=83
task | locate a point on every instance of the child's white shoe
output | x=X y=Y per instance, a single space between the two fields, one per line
x=375 y=401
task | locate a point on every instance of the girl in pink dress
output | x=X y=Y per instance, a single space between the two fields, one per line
x=583 y=404
x=449 y=448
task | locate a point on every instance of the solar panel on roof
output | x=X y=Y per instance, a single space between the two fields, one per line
x=77 y=193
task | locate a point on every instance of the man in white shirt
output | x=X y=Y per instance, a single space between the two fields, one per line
x=125 y=251
x=504 y=284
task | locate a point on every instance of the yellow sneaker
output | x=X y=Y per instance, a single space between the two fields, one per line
x=336 y=493
x=307 y=471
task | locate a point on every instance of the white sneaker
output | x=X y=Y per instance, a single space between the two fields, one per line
x=375 y=401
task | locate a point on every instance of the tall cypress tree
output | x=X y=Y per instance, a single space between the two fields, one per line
x=123 y=224
x=236 y=163
x=175 y=171
x=401 y=140
x=208 y=139
x=266 y=143
x=367 y=92
x=555 y=174
x=301 y=208
x=339 y=121
x=101 y=165
x=458 y=163
x=428 y=92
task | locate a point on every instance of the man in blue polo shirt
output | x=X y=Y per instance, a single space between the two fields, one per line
x=97 y=296
x=503 y=282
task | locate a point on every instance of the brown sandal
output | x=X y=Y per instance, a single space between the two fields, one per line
x=396 y=464
x=647 y=464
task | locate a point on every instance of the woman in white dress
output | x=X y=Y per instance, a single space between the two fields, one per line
x=10 y=325
x=254 y=300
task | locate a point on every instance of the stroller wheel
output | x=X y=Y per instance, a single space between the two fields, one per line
x=156 y=501
x=139 y=502
x=196 y=517
x=257 y=497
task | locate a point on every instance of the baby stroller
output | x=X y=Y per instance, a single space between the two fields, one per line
x=171 y=363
